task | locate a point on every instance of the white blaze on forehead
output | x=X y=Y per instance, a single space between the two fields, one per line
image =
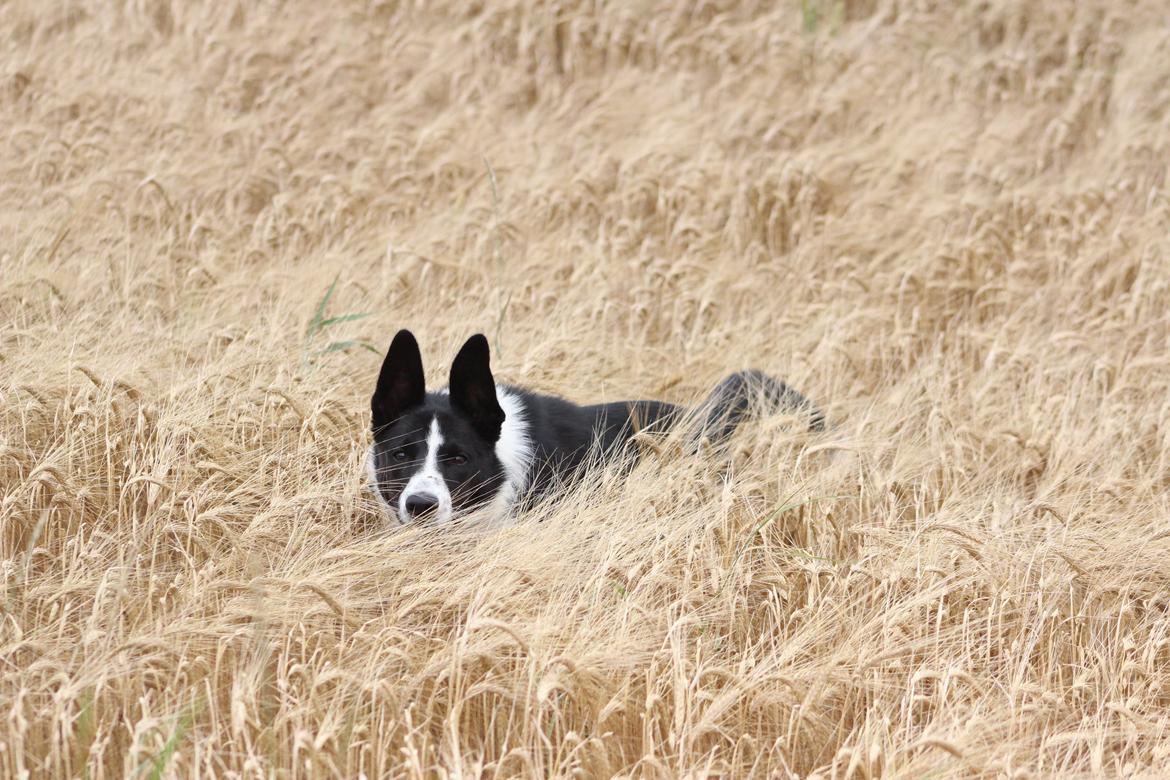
x=428 y=480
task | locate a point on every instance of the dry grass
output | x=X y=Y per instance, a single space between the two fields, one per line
x=949 y=224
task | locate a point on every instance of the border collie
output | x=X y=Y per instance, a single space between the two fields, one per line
x=477 y=445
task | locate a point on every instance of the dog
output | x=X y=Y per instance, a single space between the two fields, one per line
x=477 y=445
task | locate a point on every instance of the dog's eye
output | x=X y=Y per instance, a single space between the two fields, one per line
x=458 y=459
x=399 y=455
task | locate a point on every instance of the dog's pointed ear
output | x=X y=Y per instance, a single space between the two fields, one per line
x=401 y=384
x=473 y=390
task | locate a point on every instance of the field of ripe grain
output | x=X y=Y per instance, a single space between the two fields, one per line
x=949 y=223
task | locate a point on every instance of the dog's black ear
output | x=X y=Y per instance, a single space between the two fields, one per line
x=401 y=384
x=473 y=390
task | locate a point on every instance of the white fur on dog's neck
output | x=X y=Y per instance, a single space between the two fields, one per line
x=514 y=449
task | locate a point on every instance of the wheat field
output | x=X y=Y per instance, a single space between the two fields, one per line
x=946 y=222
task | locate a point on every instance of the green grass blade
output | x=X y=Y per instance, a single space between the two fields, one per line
x=338 y=346
x=343 y=318
x=182 y=724
x=85 y=732
x=810 y=15
x=319 y=317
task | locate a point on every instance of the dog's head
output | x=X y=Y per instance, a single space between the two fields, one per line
x=434 y=455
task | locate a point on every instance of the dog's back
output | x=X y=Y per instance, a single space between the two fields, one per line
x=565 y=436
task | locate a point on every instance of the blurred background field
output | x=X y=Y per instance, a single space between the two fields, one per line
x=946 y=222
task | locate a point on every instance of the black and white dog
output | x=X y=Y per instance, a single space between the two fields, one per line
x=476 y=445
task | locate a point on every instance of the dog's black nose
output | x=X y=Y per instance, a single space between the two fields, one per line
x=421 y=504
